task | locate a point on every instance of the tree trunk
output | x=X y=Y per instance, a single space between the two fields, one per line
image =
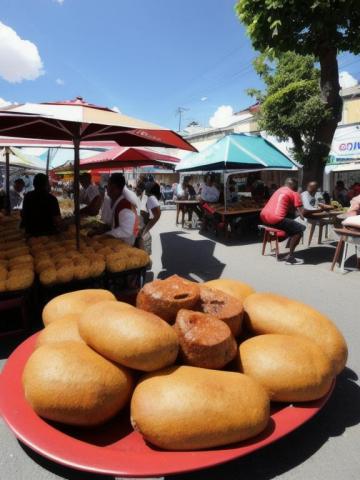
x=329 y=84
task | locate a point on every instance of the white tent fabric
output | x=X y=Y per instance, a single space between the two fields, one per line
x=21 y=160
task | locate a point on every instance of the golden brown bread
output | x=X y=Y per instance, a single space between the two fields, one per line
x=239 y=290
x=166 y=297
x=270 y=313
x=73 y=303
x=188 y=408
x=70 y=383
x=222 y=306
x=63 y=330
x=129 y=336
x=290 y=368
x=205 y=341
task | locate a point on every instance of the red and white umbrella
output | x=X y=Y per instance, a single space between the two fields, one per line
x=78 y=121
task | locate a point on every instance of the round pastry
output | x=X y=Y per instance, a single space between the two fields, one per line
x=21 y=259
x=81 y=271
x=166 y=297
x=65 y=273
x=129 y=336
x=97 y=267
x=222 y=306
x=70 y=383
x=42 y=265
x=270 y=313
x=290 y=368
x=73 y=303
x=2 y=285
x=190 y=408
x=205 y=341
x=19 y=280
x=116 y=262
x=3 y=274
x=63 y=330
x=235 y=288
x=48 y=276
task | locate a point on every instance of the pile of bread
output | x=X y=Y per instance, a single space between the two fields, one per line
x=16 y=263
x=198 y=363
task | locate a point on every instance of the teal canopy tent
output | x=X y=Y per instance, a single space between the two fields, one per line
x=237 y=151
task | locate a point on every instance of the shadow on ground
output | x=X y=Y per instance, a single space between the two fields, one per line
x=192 y=259
x=341 y=411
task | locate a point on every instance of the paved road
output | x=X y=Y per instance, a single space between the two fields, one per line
x=325 y=448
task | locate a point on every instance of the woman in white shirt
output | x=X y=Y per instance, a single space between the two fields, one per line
x=152 y=216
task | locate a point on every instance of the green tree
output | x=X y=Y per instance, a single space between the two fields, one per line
x=291 y=106
x=317 y=27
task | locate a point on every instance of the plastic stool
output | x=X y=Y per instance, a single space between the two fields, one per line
x=272 y=235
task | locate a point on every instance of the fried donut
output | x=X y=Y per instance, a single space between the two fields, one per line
x=43 y=265
x=166 y=297
x=65 y=273
x=97 y=267
x=48 y=276
x=21 y=259
x=2 y=285
x=205 y=341
x=3 y=273
x=20 y=280
x=82 y=271
x=116 y=262
x=222 y=306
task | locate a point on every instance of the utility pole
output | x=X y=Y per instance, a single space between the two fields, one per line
x=179 y=112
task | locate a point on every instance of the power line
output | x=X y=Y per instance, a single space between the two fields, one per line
x=179 y=112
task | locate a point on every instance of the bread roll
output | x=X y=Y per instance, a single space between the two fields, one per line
x=131 y=337
x=290 y=368
x=235 y=288
x=74 y=303
x=188 y=408
x=222 y=306
x=63 y=330
x=70 y=383
x=204 y=340
x=166 y=297
x=269 y=313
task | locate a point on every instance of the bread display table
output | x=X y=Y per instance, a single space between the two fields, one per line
x=114 y=448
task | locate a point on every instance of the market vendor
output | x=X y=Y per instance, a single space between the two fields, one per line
x=279 y=212
x=89 y=196
x=16 y=194
x=312 y=200
x=41 y=212
x=118 y=213
x=209 y=192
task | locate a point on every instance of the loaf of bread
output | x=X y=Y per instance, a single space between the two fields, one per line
x=223 y=306
x=270 y=313
x=239 y=290
x=73 y=303
x=166 y=297
x=189 y=408
x=63 y=330
x=70 y=383
x=205 y=341
x=290 y=368
x=129 y=336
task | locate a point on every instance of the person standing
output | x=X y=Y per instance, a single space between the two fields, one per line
x=118 y=213
x=16 y=194
x=152 y=216
x=279 y=212
x=89 y=196
x=41 y=212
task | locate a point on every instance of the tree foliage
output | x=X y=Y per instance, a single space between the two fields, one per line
x=320 y=28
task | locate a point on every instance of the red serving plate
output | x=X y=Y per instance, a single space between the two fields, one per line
x=114 y=448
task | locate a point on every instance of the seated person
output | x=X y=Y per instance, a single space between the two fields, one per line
x=279 y=213
x=118 y=213
x=313 y=201
x=231 y=192
x=16 y=194
x=209 y=192
x=41 y=212
x=340 y=193
x=89 y=196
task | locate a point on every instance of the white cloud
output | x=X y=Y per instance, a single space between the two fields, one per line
x=60 y=81
x=203 y=99
x=346 y=80
x=222 y=117
x=116 y=109
x=19 y=59
x=4 y=103
x=60 y=2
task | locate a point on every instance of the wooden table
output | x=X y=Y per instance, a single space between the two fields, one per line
x=347 y=235
x=234 y=212
x=321 y=219
x=184 y=206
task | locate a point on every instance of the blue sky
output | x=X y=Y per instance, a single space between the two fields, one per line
x=147 y=57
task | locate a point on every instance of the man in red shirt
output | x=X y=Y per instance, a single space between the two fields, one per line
x=279 y=213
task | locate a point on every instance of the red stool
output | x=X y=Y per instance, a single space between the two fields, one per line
x=272 y=235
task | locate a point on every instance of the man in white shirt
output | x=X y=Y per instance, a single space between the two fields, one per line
x=118 y=213
x=89 y=196
x=209 y=192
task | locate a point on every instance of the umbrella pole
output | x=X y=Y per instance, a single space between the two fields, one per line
x=225 y=183
x=7 y=180
x=76 y=142
x=48 y=162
